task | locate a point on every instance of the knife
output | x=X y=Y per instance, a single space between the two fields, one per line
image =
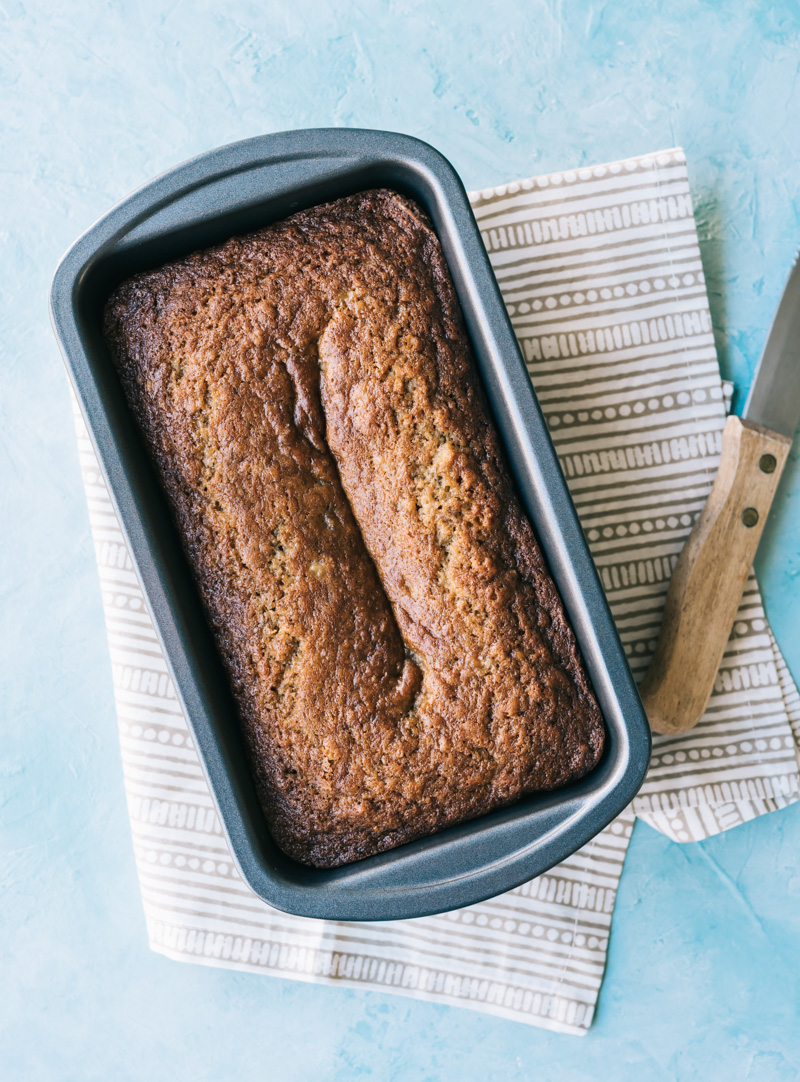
x=709 y=577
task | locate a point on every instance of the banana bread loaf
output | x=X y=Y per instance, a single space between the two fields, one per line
x=397 y=649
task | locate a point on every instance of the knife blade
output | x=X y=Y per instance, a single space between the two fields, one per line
x=774 y=398
x=708 y=580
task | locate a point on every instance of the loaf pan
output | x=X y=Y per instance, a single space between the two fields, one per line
x=233 y=190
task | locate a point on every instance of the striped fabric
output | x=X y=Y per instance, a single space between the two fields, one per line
x=601 y=272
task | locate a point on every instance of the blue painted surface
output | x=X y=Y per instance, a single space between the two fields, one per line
x=704 y=967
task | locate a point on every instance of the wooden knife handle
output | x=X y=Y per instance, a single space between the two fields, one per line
x=709 y=577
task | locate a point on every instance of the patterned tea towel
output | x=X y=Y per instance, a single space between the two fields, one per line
x=601 y=272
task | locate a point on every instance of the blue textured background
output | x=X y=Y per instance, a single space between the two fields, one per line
x=95 y=98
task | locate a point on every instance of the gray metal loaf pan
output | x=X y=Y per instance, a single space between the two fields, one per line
x=240 y=188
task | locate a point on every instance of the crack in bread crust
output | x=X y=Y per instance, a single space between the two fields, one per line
x=398 y=651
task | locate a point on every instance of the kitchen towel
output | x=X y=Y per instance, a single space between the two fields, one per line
x=601 y=272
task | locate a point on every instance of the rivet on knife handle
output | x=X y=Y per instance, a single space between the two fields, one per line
x=709 y=577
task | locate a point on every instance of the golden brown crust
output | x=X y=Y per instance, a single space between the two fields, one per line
x=399 y=653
